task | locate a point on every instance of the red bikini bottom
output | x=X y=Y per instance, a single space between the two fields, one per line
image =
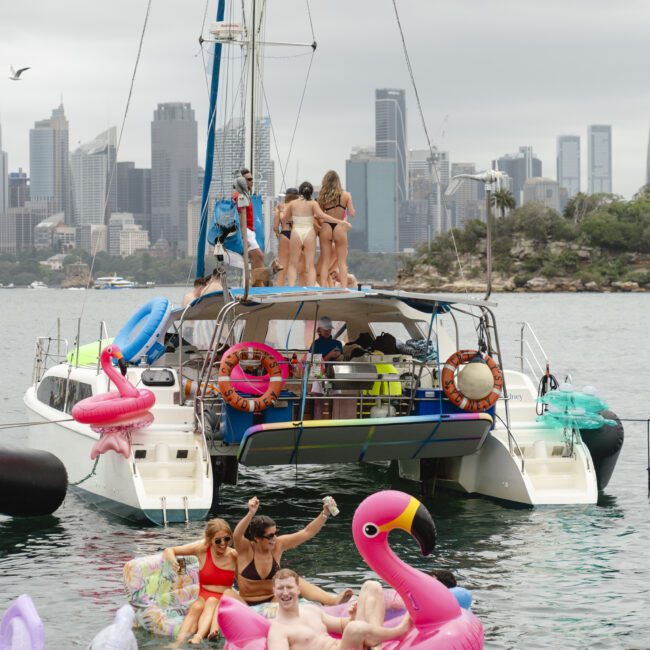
x=205 y=594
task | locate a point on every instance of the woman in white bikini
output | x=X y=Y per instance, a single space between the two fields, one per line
x=336 y=203
x=304 y=213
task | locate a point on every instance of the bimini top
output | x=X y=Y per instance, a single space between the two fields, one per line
x=209 y=305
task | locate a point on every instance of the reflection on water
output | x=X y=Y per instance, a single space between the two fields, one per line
x=568 y=577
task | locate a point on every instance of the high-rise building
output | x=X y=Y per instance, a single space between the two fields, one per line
x=90 y=166
x=568 y=163
x=467 y=201
x=416 y=215
x=4 y=178
x=544 y=191
x=599 y=168
x=520 y=167
x=49 y=164
x=370 y=180
x=92 y=237
x=229 y=147
x=174 y=170
x=134 y=193
x=18 y=189
x=390 y=135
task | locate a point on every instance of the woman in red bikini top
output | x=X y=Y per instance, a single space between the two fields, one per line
x=218 y=566
x=336 y=203
x=260 y=548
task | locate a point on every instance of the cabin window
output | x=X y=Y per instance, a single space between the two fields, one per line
x=52 y=391
x=397 y=329
x=298 y=334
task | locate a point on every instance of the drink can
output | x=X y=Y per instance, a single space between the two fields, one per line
x=331 y=505
x=182 y=566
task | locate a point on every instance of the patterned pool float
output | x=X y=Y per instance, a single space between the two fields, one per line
x=159 y=595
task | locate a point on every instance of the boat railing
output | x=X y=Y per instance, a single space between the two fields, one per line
x=532 y=357
x=50 y=351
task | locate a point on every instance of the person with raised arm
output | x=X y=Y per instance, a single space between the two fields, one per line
x=260 y=549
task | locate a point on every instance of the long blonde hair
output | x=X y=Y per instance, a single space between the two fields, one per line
x=213 y=527
x=330 y=190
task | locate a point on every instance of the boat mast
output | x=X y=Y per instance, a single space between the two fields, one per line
x=253 y=57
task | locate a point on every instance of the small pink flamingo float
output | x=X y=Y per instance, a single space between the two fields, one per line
x=115 y=414
x=439 y=623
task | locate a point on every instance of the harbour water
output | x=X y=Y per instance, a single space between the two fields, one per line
x=550 y=577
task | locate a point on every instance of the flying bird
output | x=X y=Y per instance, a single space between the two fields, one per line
x=14 y=75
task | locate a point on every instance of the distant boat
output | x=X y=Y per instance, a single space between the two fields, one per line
x=37 y=284
x=113 y=282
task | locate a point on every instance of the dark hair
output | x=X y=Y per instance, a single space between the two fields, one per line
x=282 y=574
x=200 y=282
x=244 y=170
x=305 y=190
x=446 y=577
x=257 y=527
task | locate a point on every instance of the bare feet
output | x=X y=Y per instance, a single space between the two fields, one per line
x=344 y=596
x=213 y=636
x=196 y=639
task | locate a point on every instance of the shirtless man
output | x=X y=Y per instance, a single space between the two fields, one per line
x=199 y=283
x=306 y=627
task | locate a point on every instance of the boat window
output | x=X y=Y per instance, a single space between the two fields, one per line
x=77 y=390
x=51 y=391
x=298 y=334
x=397 y=329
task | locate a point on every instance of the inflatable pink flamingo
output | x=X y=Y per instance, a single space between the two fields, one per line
x=117 y=413
x=439 y=623
x=438 y=620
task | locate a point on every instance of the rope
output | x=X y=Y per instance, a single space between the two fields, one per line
x=117 y=149
x=426 y=133
x=18 y=425
x=85 y=478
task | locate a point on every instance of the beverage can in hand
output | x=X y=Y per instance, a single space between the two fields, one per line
x=331 y=505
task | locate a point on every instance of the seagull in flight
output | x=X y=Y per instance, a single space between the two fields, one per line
x=14 y=75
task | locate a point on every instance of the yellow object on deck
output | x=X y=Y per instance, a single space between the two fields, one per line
x=88 y=353
x=386 y=388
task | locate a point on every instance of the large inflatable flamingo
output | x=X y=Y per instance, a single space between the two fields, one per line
x=439 y=623
x=117 y=413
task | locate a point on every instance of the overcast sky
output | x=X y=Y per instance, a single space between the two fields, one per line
x=491 y=75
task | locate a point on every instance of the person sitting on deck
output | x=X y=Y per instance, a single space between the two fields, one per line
x=197 y=288
x=331 y=349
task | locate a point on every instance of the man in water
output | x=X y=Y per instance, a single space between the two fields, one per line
x=307 y=627
x=330 y=348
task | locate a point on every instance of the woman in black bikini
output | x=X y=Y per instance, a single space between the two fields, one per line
x=336 y=203
x=283 y=233
x=260 y=549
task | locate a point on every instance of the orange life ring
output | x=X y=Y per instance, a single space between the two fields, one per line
x=451 y=390
x=230 y=359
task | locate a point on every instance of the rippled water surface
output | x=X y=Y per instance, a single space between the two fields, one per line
x=558 y=577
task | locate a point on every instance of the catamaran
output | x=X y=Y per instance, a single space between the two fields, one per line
x=237 y=384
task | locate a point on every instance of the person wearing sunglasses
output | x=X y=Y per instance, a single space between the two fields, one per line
x=217 y=569
x=260 y=547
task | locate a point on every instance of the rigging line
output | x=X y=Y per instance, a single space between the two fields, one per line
x=426 y=133
x=117 y=150
x=311 y=23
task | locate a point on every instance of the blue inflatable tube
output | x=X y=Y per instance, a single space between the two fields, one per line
x=142 y=338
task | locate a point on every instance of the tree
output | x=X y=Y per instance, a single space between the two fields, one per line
x=503 y=200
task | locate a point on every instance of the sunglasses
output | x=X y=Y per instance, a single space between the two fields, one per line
x=222 y=540
x=248 y=178
x=270 y=535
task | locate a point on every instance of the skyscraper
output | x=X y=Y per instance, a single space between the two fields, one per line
x=568 y=163
x=599 y=140
x=520 y=167
x=370 y=180
x=90 y=166
x=48 y=162
x=18 y=188
x=390 y=135
x=229 y=155
x=174 y=169
x=4 y=178
x=134 y=193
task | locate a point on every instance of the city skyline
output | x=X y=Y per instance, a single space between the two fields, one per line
x=473 y=115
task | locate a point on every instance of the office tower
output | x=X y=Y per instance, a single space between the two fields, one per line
x=390 y=135
x=544 y=191
x=370 y=180
x=4 y=178
x=174 y=169
x=568 y=163
x=17 y=225
x=520 y=167
x=599 y=167
x=90 y=166
x=229 y=147
x=49 y=164
x=467 y=202
x=92 y=237
x=134 y=193
x=116 y=223
x=416 y=214
x=18 y=188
